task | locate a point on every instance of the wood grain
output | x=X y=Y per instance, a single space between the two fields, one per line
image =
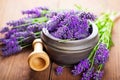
x=16 y=68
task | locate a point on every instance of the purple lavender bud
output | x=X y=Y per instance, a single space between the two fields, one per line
x=35 y=27
x=59 y=70
x=87 y=15
x=77 y=28
x=11 y=50
x=51 y=14
x=80 y=67
x=36 y=12
x=60 y=32
x=101 y=54
x=5 y=29
x=16 y=23
x=11 y=46
x=88 y=74
x=98 y=75
x=42 y=8
x=33 y=12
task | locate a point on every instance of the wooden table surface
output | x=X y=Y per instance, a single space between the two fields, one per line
x=16 y=67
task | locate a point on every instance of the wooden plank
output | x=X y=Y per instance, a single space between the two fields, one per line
x=16 y=68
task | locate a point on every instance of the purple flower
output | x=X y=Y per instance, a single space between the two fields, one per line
x=5 y=29
x=53 y=24
x=98 y=75
x=80 y=67
x=35 y=27
x=101 y=54
x=36 y=12
x=42 y=8
x=78 y=28
x=87 y=15
x=51 y=14
x=88 y=74
x=16 y=23
x=11 y=46
x=60 y=32
x=11 y=50
x=59 y=70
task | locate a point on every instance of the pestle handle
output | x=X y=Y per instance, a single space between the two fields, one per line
x=38 y=60
x=37 y=44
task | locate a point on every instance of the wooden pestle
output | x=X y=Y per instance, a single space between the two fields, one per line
x=38 y=60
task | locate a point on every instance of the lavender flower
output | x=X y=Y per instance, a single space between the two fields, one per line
x=35 y=27
x=16 y=23
x=87 y=15
x=78 y=28
x=51 y=14
x=5 y=29
x=42 y=8
x=11 y=50
x=36 y=12
x=82 y=66
x=11 y=46
x=59 y=70
x=53 y=24
x=88 y=74
x=98 y=75
x=101 y=54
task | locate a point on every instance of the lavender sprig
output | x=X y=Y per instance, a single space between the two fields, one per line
x=99 y=54
x=80 y=67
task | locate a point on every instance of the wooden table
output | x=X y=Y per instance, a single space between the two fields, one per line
x=16 y=68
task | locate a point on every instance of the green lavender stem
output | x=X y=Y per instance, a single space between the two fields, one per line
x=105 y=25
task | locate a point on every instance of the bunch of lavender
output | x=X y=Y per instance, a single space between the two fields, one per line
x=21 y=33
x=92 y=67
x=72 y=25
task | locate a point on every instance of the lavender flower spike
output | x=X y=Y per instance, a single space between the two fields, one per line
x=82 y=66
x=101 y=54
x=88 y=74
x=5 y=29
x=59 y=70
x=98 y=75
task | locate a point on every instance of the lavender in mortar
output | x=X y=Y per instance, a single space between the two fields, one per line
x=71 y=25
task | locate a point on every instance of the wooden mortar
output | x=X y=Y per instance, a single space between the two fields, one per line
x=38 y=60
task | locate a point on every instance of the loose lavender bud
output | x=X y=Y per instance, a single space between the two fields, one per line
x=98 y=75
x=53 y=24
x=77 y=28
x=88 y=74
x=101 y=54
x=82 y=66
x=59 y=70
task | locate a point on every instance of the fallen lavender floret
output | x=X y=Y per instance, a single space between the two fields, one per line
x=59 y=70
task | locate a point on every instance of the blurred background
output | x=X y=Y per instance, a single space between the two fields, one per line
x=14 y=7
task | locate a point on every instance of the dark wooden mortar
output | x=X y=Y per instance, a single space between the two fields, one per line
x=69 y=52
